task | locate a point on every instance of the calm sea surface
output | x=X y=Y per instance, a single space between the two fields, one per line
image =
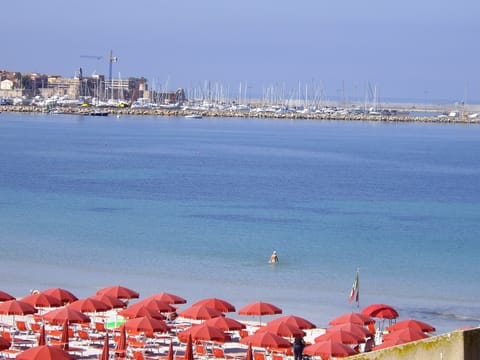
x=195 y=207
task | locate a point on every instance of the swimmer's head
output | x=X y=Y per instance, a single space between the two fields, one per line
x=274 y=252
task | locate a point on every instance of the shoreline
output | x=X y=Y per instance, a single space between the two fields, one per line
x=91 y=111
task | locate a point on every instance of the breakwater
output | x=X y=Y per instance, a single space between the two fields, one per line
x=240 y=114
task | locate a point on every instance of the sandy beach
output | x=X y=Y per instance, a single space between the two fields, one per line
x=86 y=339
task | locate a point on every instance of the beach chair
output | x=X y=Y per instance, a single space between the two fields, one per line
x=100 y=327
x=257 y=355
x=139 y=355
x=22 y=327
x=278 y=356
x=219 y=353
x=35 y=327
x=202 y=351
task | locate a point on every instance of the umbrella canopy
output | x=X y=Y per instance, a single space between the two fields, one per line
x=6 y=296
x=120 y=292
x=45 y=352
x=381 y=311
x=225 y=323
x=169 y=298
x=411 y=324
x=298 y=321
x=156 y=305
x=353 y=328
x=64 y=295
x=42 y=338
x=111 y=301
x=189 y=349
x=406 y=335
x=283 y=329
x=16 y=307
x=266 y=339
x=200 y=312
x=146 y=324
x=43 y=300
x=4 y=343
x=260 y=308
x=106 y=350
x=343 y=336
x=133 y=312
x=219 y=304
x=58 y=316
x=352 y=318
x=203 y=333
x=89 y=305
x=328 y=349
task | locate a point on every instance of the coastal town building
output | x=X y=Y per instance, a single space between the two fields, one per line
x=87 y=89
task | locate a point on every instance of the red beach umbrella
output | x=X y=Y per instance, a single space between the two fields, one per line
x=411 y=324
x=65 y=338
x=16 y=307
x=266 y=339
x=282 y=329
x=170 y=353
x=111 y=301
x=146 y=324
x=406 y=335
x=353 y=328
x=120 y=292
x=328 y=349
x=6 y=296
x=106 y=350
x=43 y=300
x=204 y=333
x=381 y=311
x=4 y=343
x=225 y=323
x=299 y=322
x=249 y=355
x=343 y=336
x=122 y=342
x=42 y=338
x=200 y=312
x=189 y=349
x=45 y=352
x=89 y=305
x=64 y=295
x=58 y=316
x=156 y=305
x=169 y=298
x=140 y=311
x=352 y=318
x=260 y=308
x=219 y=304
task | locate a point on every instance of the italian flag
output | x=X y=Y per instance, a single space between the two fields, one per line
x=354 y=293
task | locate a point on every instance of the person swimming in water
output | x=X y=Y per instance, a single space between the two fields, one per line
x=273 y=258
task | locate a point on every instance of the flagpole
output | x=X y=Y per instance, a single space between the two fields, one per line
x=355 y=292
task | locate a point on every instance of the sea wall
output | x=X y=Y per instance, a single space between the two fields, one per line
x=246 y=114
x=457 y=345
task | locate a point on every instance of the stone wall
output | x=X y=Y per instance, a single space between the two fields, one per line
x=457 y=345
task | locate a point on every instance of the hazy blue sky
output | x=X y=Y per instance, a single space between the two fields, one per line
x=423 y=49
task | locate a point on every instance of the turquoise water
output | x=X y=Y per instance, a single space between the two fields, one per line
x=195 y=207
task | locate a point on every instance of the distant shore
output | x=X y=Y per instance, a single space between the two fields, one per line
x=401 y=117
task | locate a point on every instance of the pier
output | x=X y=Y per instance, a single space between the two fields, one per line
x=214 y=113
